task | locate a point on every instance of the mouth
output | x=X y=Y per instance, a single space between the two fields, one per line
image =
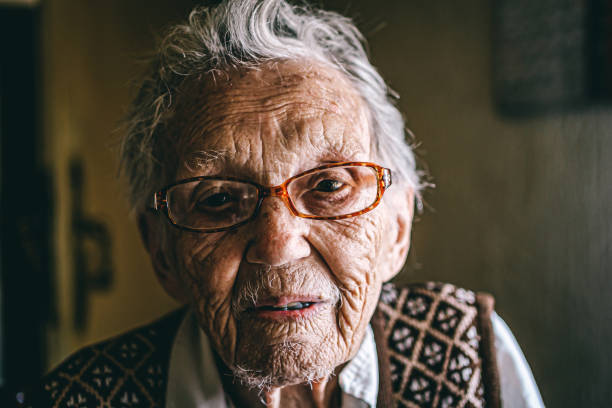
x=286 y=308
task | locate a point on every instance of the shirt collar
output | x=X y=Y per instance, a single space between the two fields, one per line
x=193 y=379
x=359 y=378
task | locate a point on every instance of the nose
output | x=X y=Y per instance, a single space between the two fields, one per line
x=280 y=237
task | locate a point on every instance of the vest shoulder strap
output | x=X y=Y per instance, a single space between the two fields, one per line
x=436 y=347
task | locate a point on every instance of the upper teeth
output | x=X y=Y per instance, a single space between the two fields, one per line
x=289 y=306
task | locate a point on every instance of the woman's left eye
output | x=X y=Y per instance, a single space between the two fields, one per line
x=329 y=186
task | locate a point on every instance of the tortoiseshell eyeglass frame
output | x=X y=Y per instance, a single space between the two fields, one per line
x=160 y=198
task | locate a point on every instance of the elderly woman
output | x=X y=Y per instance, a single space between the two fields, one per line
x=274 y=191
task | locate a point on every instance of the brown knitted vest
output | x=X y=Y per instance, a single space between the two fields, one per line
x=434 y=341
x=436 y=347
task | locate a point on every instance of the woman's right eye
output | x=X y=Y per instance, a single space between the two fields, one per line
x=215 y=200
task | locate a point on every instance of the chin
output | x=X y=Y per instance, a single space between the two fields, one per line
x=283 y=364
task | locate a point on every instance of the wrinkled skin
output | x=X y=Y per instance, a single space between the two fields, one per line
x=267 y=125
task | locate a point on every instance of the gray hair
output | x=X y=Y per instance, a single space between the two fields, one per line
x=245 y=34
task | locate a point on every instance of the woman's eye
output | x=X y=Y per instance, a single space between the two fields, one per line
x=216 y=200
x=329 y=186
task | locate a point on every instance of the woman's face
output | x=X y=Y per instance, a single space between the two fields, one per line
x=283 y=299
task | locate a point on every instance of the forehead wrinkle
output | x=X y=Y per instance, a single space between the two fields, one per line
x=262 y=159
x=251 y=110
x=217 y=119
x=249 y=91
x=321 y=115
x=328 y=124
x=213 y=162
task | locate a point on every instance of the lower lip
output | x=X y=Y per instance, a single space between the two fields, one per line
x=303 y=313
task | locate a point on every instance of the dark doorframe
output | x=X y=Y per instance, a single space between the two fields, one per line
x=25 y=284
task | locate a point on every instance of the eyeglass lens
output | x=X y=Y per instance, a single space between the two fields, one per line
x=212 y=203
x=334 y=191
x=209 y=204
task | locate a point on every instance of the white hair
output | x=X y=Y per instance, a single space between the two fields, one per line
x=245 y=34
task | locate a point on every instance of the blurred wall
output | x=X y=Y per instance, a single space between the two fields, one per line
x=90 y=55
x=521 y=208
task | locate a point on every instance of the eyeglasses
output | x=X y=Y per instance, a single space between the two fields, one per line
x=331 y=192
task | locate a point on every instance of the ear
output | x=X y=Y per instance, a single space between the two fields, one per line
x=150 y=227
x=402 y=210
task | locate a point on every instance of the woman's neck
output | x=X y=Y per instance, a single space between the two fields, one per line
x=320 y=394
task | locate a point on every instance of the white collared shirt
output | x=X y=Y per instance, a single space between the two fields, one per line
x=193 y=379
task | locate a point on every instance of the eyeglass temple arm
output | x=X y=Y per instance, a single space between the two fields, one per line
x=158 y=201
x=386 y=177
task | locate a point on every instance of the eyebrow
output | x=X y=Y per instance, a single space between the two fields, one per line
x=204 y=159
x=345 y=152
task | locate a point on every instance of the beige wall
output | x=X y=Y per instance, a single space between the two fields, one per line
x=521 y=207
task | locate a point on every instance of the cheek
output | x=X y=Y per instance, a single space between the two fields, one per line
x=211 y=259
x=208 y=265
x=352 y=249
